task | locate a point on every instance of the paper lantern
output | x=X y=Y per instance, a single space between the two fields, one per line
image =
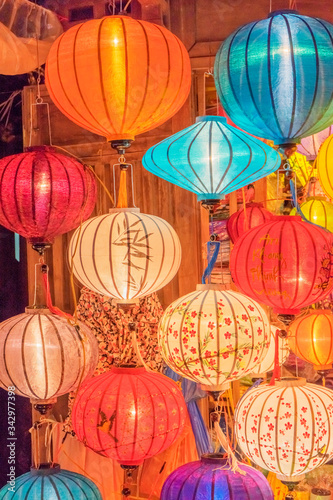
x=50 y=483
x=309 y=146
x=325 y=166
x=212 y=478
x=117 y=76
x=318 y=210
x=311 y=338
x=268 y=362
x=42 y=356
x=284 y=263
x=238 y=224
x=129 y=414
x=44 y=193
x=211 y=158
x=274 y=77
x=286 y=428
x=125 y=254
x=213 y=336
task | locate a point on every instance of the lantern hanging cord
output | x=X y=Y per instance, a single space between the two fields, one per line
x=211 y=260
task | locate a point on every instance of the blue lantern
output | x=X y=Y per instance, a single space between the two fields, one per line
x=212 y=478
x=274 y=77
x=211 y=158
x=50 y=483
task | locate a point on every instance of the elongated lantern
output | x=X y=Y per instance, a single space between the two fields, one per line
x=284 y=263
x=213 y=336
x=125 y=254
x=286 y=428
x=274 y=77
x=129 y=414
x=243 y=220
x=117 y=76
x=211 y=158
x=310 y=146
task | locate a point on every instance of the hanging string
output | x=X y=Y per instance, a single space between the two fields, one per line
x=277 y=369
x=211 y=260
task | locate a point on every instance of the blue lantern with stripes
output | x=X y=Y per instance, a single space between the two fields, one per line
x=274 y=77
x=212 y=478
x=211 y=158
x=50 y=483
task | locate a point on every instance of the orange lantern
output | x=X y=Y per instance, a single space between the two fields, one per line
x=118 y=77
x=311 y=338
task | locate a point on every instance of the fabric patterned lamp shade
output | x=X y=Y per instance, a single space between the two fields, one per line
x=211 y=158
x=286 y=428
x=274 y=77
x=125 y=254
x=213 y=336
x=118 y=76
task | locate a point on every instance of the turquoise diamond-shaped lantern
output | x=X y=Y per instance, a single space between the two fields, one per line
x=211 y=158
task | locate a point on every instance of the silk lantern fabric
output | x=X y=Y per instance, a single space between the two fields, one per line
x=44 y=193
x=274 y=77
x=287 y=427
x=42 y=354
x=268 y=362
x=284 y=263
x=311 y=338
x=325 y=166
x=51 y=483
x=310 y=146
x=213 y=336
x=211 y=158
x=212 y=478
x=125 y=254
x=318 y=210
x=129 y=414
x=243 y=220
x=118 y=76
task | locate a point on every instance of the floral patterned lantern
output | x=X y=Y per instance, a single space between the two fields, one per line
x=212 y=478
x=243 y=220
x=129 y=414
x=284 y=263
x=286 y=428
x=311 y=338
x=44 y=193
x=125 y=254
x=213 y=336
x=268 y=362
x=44 y=356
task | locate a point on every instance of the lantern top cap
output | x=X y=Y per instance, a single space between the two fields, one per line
x=128 y=370
x=214 y=458
x=320 y=311
x=45 y=469
x=211 y=286
x=290 y=382
x=317 y=198
x=281 y=12
x=209 y=118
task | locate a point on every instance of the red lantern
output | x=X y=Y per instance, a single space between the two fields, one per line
x=284 y=263
x=129 y=414
x=44 y=193
x=243 y=220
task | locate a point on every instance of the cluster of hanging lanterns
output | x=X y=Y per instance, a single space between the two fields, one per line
x=119 y=77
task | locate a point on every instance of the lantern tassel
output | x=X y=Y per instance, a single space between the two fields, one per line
x=277 y=369
x=224 y=443
x=211 y=260
x=122 y=195
x=53 y=309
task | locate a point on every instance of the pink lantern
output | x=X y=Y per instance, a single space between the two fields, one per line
x=309 y=146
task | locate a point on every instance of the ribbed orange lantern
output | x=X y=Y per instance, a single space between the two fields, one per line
x=311 y=338
x=118 y=77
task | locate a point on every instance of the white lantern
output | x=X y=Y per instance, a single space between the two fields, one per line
x=268 y=361
x=213 y=336
x=286 y=428
x=125 y=254
x=43 y=356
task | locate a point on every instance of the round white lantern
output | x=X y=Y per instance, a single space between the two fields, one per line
x=214 y=336
x=43 y=356
x=268 y=361
x=286 y=428
x=125 y=254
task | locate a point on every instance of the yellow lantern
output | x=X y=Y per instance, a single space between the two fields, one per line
x=325 y=166
x=317 y=210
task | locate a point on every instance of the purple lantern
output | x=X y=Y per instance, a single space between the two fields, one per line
x=309 y=146
x=212 y=478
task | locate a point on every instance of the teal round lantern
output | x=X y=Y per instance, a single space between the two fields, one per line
x=211 y=158
x=274 y=77
x=50 y=483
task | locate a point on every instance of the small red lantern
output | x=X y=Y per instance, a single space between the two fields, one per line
x=129 y=414
x=243 y=220
x=284 y=263
x=44 y=193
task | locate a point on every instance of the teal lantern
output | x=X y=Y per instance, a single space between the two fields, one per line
x=211 y=158
x=274 y=77
x=50 y=483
